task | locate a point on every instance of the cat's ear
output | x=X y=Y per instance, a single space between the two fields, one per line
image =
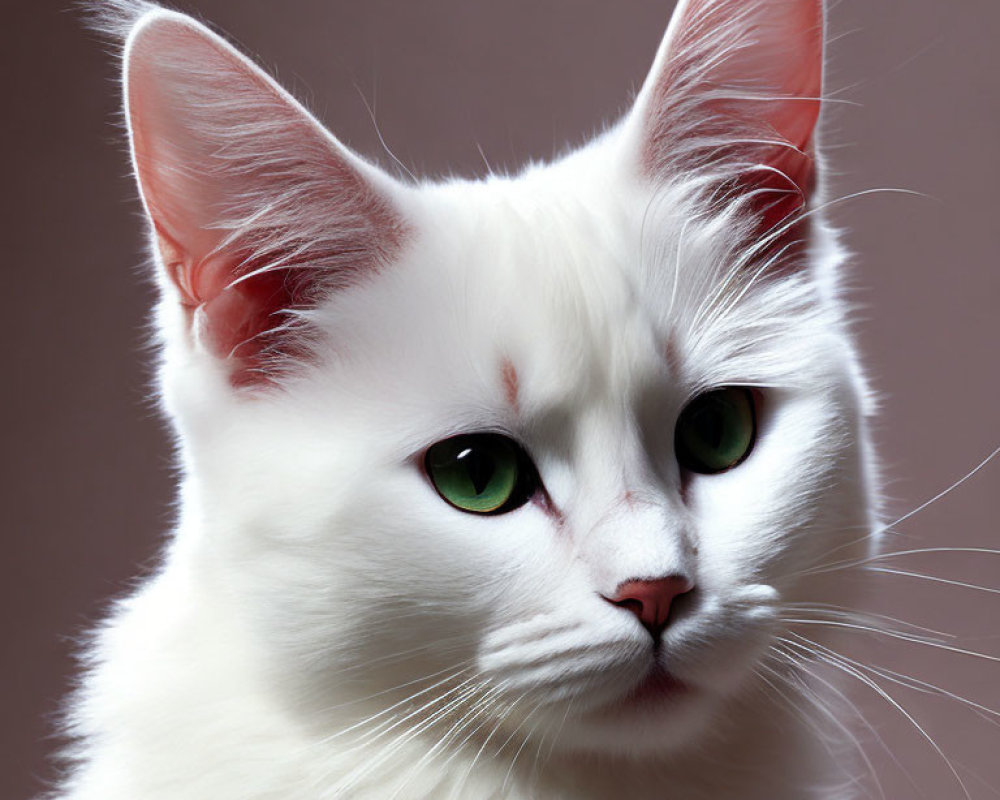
x=257 y=211
x=734 y=97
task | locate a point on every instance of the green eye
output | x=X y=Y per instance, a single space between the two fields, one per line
x=716 y=430
x=482 y=473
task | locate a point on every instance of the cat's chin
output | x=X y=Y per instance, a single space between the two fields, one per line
x=660 y=714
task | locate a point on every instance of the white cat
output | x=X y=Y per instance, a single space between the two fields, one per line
x=491 y=489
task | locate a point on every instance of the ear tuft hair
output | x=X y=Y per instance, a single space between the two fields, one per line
x=114 y=19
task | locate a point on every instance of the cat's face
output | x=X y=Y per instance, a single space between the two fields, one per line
x=614 y=589
x=522 y=311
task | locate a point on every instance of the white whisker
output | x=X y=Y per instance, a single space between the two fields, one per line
x=832 y=717
x=944 y=493
x=934 y=579
x=835 y=660
x=527 y=737
x=897 y=635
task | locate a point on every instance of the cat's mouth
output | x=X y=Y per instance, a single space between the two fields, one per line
x=656 y=687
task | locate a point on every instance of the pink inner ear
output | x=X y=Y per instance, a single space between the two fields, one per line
x=257 y=211
x=239 y=319
x=781 y=190
x=739 y=83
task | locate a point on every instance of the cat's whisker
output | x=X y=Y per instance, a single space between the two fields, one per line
x=831 y=567
x=803 y=715
x=944 y=493
x=464 y=693
x=486 y=708
x=925 y=550
x=477 y=707
x=860 y=616
x=862 y=562
x=861 y=626
x=856 y=711
x=395 y=720
x=452 y=674
x=933 y=579
x=559 y=730
x=540 y=742
x=498 y=723
x=835 y=660
x=909 y=682
x=503 y=745
x=898 y=635
x=811 y=697
x=494 y=697
x=834 y=566
x=454 y=697
x=801 y=662
x=527 y=737
x=989 y=715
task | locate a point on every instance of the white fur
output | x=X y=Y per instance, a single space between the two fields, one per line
x=315 y=580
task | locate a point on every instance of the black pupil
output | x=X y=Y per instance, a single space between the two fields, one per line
x=709 y=425
x=479 y=465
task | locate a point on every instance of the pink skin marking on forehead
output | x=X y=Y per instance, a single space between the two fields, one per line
x=511 y=384
x=511 y=389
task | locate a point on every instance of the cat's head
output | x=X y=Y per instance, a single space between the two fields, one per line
x=565 y=445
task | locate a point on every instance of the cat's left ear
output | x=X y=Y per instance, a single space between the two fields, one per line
x=733 y=99
x=257 y=212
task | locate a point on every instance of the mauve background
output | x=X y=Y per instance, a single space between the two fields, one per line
x=87 y=470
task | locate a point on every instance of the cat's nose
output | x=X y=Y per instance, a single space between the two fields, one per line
x=651 y=600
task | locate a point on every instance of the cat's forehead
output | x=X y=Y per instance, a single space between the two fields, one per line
x=571 y=284
x=545 y=240
x=511 y=293
x=548 y=269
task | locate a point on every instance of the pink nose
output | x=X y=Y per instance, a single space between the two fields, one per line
x=651 y=600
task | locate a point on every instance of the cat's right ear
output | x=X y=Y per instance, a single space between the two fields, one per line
x=257 y=212
x=732 y=103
